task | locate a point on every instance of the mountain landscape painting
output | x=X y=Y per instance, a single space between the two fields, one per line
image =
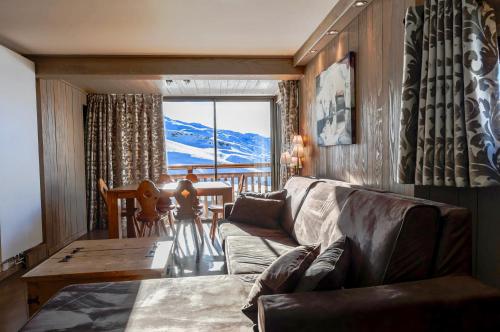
x=193 y=144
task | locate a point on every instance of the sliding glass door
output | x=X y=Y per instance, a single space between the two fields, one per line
x=220 y=139
x=244 y=142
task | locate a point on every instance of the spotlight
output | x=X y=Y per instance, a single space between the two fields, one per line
x=360 y=3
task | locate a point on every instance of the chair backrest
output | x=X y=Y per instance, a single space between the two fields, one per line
x=241 y=183
x=192 y=177
x=165 y=178
x=147 y=195
x=103 y=189
x=186 y=197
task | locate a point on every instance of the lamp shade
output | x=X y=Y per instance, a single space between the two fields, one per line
x=298 y=151
x=297 y=139
x=286 y=158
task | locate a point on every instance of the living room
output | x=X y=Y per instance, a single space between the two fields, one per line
x=240 y=166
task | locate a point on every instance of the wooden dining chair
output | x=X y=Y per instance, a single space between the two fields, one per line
x=103 y=189
x=148 y=218
x=165 y=205
x=217 y=209
x=189 y=206
x=192 y=177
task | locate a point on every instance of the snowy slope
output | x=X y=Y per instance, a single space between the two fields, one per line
x=192 y=143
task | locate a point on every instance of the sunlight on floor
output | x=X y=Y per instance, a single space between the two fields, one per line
x=191 y=257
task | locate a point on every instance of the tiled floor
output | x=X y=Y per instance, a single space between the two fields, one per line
x=187 y=260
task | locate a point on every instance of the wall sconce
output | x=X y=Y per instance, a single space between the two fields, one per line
x=286 y=158
x=294 y=158
x=297 y=152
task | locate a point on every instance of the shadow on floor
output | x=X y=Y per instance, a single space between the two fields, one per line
x=192 y=257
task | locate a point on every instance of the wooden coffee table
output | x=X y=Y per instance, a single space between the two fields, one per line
x=97 y=261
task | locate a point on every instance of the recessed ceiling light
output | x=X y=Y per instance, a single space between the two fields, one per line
x=332 y=32
x=360 y=3
x=313 y=51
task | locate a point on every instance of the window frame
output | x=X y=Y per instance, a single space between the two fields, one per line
x=215 y=99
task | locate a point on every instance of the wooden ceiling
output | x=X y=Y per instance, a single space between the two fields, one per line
x=179 y=88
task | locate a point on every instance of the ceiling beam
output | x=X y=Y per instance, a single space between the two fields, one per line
x=166 y=67
x=339 y=17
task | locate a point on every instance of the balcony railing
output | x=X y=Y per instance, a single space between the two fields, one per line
x=258 y=177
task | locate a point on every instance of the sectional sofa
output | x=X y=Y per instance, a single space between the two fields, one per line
x=410 y=270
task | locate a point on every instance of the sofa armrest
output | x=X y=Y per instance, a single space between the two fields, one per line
x=452 y=303
x=227 y=209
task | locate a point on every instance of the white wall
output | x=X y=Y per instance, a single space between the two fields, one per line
x=20 y=203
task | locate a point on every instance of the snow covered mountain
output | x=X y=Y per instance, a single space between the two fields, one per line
x=193 y=143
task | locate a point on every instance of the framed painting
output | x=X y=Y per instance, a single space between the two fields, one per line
x=335 y=103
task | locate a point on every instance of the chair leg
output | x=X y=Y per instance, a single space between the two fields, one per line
x=171 y=219
x=137 y=228
x=142 y=230
x=213 y=226
x=156 y=227
x=163 y=227
x=199 y=225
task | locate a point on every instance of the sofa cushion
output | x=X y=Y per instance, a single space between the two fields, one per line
x=227 y=228
x=393 y=239
x=279 y=194
x=282 y=275
x=257 y=211
x=319 y=212
x=329 y=270
x=251 y=254
x=296 y=188
x=210 y=303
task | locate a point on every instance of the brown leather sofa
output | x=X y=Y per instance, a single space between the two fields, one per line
x=410 y=270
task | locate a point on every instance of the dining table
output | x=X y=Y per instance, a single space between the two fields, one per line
x=128 y=192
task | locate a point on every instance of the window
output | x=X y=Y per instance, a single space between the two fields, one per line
x=220 y=139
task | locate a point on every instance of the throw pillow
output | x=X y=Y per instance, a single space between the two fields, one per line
x=329 y=269
x=279 y=195
x=282 y=275
x=257 y=211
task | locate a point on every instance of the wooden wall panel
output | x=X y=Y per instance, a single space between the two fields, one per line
x=62 y=151
x=376 y=36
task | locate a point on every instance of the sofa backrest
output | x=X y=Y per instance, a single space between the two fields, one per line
x=318 y=215
x=395 y=238
x=392 y=239
x=454 y=252
x=297 y=188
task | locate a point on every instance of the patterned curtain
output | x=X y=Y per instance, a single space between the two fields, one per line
x=450 y=120
x=125 y=143
x=288 y=102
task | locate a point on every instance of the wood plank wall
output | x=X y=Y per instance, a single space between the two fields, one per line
x=63 y=162
x=376 y=36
